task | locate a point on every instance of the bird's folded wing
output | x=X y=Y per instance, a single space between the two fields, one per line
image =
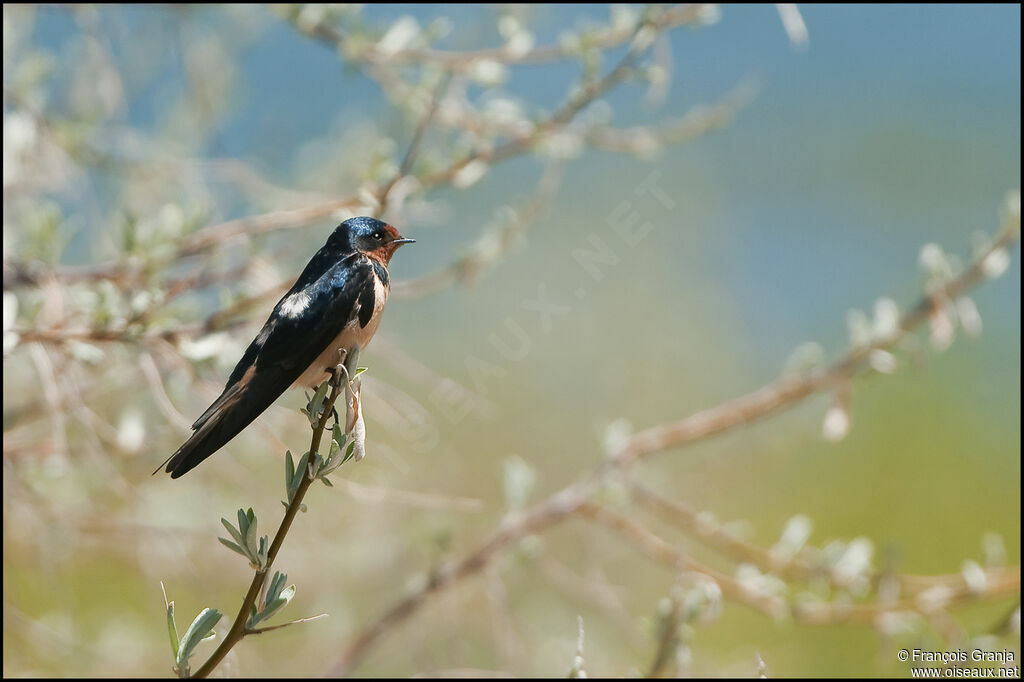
x=295 y=335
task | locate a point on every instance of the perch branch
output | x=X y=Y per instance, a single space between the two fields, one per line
x=238 y=627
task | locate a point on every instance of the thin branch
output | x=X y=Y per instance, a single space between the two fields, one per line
x=213 y=235
x=238 y=628
x=662 y=551
x=668 y=636
x=805 y=566
x=156 y=384
x=483 y=255
x=414 y=146
x=518 y=145
x=460 y=60
x=700 y=120
x=783 y=393
x=999 y=582
x=790 y=390
x=260 y=631
x=379 y=495
x=576 y=671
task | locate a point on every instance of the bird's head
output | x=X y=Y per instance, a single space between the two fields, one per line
x=375 y=238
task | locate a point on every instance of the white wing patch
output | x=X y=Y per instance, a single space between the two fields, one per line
x=294 y=305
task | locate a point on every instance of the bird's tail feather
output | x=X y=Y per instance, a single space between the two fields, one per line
x=215 y=428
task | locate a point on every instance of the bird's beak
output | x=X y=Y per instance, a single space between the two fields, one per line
x=403 y=240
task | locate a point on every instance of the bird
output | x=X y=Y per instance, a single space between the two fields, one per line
x=334 y=306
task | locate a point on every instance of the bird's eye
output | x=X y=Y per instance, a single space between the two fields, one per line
x=378 y=236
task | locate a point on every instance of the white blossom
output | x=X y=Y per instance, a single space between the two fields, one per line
x=489 y=72
x=882 y=361
x=131 y=431
x=970 y=318
x=836 y=424
x=859 y=327
x=934 y=598
x=616 y=437
x=855 y=562
x=996 y=263
x=974 y=576
x=887 y=318
x=794 y=536
x=469 y=174
x=204 y=347
x=942 y=329
x=517 y=482
x=399 y=36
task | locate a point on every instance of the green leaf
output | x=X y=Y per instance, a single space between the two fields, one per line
x=251 y=536
x=316 y=404
x=300 y=468
x=197 y=631
x=277 y=598
x=235 y=548
x=264 y=551
x=289 y=470
x=254 y=617
x=348 y=452
x=276 y=583
x=327 y=482
x=279 y=603
x=300 y=473
x=243 y=524
x=321 y=391
x=172 y=630
x=234 y=531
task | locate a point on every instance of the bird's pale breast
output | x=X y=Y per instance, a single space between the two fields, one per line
x=353 y=336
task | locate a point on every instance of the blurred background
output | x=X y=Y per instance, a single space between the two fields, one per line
x=167 y=169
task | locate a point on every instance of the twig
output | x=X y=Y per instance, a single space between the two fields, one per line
x=576 y=671
x=999 y=582
x=793 y=389
x=559 y=119
x=660 y=550
x=469 y=266
x=803 y=567
x=699 y=121
x=152 y=374
x=458 y=60
x=260 y=631
x=668 y=636
x=414 y=146
x=720 y=539
x=259 y=224
x=238 y=629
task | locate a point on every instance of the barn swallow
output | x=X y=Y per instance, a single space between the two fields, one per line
x=334 y=306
